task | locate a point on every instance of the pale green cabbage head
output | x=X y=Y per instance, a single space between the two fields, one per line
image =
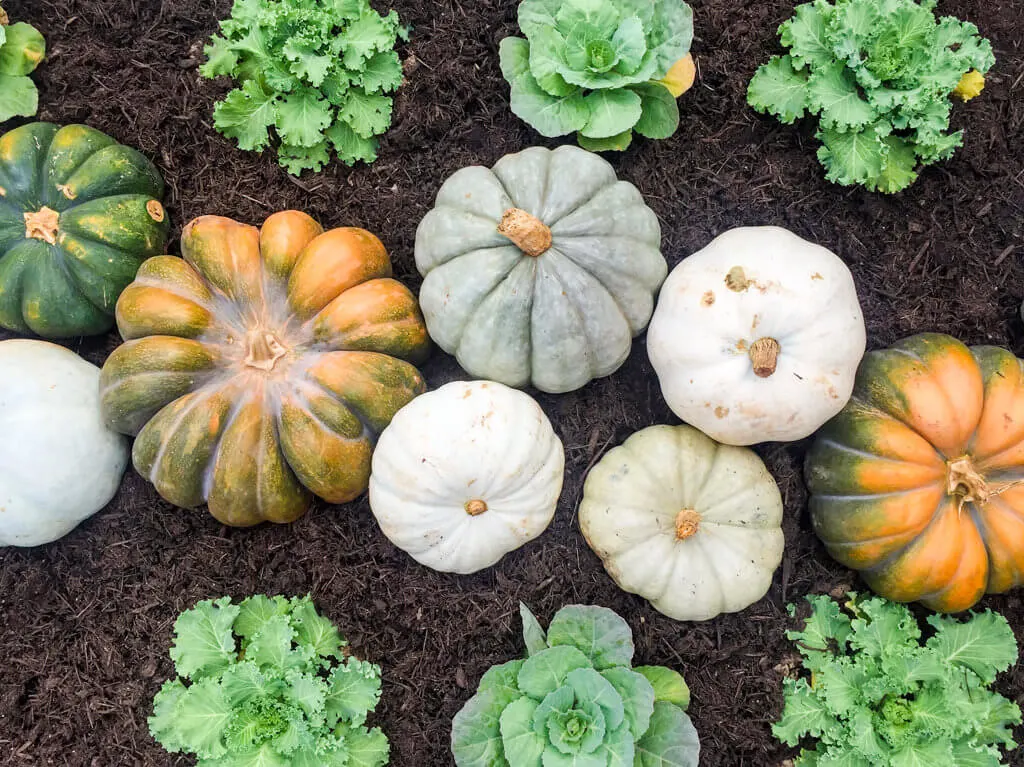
x=576 y=702
x=592 y=66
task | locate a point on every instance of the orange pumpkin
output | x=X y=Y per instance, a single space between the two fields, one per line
x=919 y=482
x=258 y=370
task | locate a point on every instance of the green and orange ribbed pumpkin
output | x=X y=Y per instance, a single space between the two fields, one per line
x=258 y=370
x=919 y=482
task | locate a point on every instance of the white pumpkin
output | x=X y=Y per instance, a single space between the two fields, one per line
x=58 y=463
x=757 y=337
x=686 y=523
x=539 y=270
x=465 y=474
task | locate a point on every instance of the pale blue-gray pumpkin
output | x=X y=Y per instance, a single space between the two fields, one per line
x=540 y=270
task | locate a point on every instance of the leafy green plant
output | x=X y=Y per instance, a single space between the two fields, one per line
x=879 y=75
x=575 y=702
x=22 y=48
x=592 y=66
x=267 y=683
x=317 y=72
x=878 y=697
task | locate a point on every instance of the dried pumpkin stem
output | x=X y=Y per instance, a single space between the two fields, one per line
x=964 y=481
x=475 y=507
x=42 y=225
x=264 y=350
x=529 y=233
x=4 y=19
x=687 y=524
x=764 y=354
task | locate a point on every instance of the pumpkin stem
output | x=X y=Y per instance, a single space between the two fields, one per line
x=687 y=524
x=4 y=19
x=764 y=353
x=42 y=225
x=964 y=482
x=264 y=350
x=529 y=233
x=475 y=507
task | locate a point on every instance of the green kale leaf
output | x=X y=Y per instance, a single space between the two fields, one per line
x=22 y=48
x=575 y=701
x=877 y=696
x=312 y=76
x=879 y=76
x=592 y=67
x=267 y=682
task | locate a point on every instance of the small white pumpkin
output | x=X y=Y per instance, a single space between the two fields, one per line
x=58 y=463
x=539 y=270
x=688 y=524
x=465 y=474
x=757 y=337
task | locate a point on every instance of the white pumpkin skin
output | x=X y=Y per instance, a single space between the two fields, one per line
x=686 y=523
x=557 y=319
x=749 y=284
x=58 y=463
x=465 y=474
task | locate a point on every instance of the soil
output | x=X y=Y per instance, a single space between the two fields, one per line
x=85 y=622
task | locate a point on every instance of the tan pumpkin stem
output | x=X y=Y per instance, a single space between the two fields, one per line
x=42 y=225
x=687 y=524
x=764 y=354
x=529 y=233
x=475 y=507
x=155 y=210
x=964 y=481
x=264 y=350
x=4 y=19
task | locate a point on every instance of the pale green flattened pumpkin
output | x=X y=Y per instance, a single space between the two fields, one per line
x=78 y=214
x=540 y=270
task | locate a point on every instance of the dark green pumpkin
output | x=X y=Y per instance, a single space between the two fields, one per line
x=78 y=214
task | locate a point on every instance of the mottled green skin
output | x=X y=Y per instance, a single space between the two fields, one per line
x=101 y=190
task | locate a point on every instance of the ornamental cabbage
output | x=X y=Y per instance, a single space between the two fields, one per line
x=879 y=75
x=593 y=66
x=317 y=72
x=877 y=696
x=575 y=702
x=22 y=47
x=267 y=683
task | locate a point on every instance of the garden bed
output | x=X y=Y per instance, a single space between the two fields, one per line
x=85 y=622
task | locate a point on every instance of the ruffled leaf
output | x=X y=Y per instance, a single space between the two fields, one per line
x=778 y=88
x=246 y=115
x=203 y=640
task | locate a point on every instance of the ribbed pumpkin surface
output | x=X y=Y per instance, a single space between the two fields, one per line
x=78 y=214
x=258 y=371
x=919 y=481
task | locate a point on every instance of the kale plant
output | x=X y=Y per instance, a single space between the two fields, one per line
x=877 y=697
x=267 y=683
x=575 y=702
x=593 y=66
x=22 y=47
x=879 y=75
x=318 y=72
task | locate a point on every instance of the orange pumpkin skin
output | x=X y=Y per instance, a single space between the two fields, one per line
x=919 y=482
x=258 y=370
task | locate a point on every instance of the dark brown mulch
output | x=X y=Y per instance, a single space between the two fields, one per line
x=85 y=622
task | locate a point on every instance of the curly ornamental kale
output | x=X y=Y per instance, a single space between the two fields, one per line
x=878 y=697
x=21 y=49
x=270 y=686
x=593 y=66
x=316 y=71
x=575 y=702
x=879 y=74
